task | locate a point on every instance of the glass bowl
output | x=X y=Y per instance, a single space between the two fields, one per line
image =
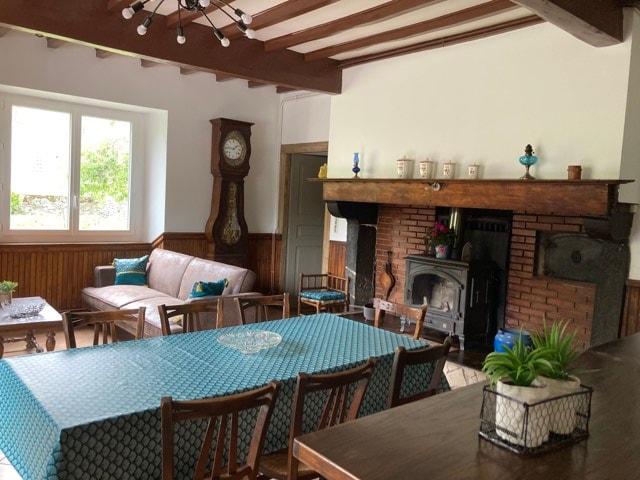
x=23 y=310
x=250 y=341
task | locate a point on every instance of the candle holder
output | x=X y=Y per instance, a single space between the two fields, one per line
x=527 y=160
x=356 y=168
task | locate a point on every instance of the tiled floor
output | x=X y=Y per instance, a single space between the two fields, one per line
x=457 y=371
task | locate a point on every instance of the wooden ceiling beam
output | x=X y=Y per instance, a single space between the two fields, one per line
x=445 y=41
x=455 y=18
x=188 y=16
x=279 y=13
x=103 y=53
x=381 y=12
x=144 y=63
x=90 y=24
x=597 y=22
x=55 y=42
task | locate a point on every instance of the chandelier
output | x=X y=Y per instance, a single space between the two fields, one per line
x=241 y=19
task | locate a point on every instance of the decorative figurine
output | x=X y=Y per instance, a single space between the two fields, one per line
x=356 y=161
x=527 y=160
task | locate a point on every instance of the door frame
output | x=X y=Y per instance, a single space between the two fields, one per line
x=284 y=198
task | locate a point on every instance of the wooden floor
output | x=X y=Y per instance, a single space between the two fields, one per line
x=461 y=368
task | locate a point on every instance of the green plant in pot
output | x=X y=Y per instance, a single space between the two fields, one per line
x=7 y=288
x=560 y=351
x=515 y=372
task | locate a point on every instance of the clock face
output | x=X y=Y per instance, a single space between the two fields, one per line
x=234 y=148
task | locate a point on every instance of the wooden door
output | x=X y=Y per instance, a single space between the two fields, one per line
x=305 y=220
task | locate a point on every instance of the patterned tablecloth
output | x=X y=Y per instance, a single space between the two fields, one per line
x=93 y=413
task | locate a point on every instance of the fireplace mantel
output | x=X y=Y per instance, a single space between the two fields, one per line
x=559 y=197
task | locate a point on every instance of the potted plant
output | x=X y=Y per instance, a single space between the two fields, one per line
x=441 y=238
x=6 y=291
x=514 y=372
x=560 y=352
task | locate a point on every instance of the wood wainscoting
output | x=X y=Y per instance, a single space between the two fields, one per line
x=58 y=272
x=631 y=316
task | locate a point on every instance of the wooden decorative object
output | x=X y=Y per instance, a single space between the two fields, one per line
x=387 y=280
x=226 y=228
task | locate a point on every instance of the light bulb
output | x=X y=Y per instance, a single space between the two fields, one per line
x=204 y=3
x=249 y=33
x=142 y=30
x=127 y=12
x=246 y=18
x=181 y=38
x=225 y=42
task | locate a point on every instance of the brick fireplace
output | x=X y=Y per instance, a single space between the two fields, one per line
x=569 y=266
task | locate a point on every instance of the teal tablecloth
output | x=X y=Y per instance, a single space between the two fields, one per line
x=93 y=413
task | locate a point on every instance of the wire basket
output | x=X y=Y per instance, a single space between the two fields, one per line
x=538 y=427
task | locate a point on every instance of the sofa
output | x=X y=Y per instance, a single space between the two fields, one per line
x=170 y=279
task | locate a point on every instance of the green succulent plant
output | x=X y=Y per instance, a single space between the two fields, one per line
x=559 y=348
x=521 y=364
x=8 y=286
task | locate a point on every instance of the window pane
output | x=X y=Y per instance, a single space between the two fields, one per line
x=104 y=174
x=40 y=156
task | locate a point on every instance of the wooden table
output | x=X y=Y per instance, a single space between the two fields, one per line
x=437 y=438
x=47 y=321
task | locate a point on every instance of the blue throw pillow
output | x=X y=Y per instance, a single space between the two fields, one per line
x=131 y=271
x=203 y=289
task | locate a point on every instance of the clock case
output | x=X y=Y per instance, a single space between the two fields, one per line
x=226 y=228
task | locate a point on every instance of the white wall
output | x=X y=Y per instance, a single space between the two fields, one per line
x=483 y=101
x=189 y=102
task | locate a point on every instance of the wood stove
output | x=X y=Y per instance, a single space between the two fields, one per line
x=459 y=295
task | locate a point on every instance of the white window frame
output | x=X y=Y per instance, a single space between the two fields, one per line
x=76 y=110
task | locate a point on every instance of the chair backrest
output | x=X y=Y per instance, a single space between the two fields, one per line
x=219 y=411
x=262 y=306
x=346 y=391
x=189 y=314
x=104 y=324
x=415 y=314
x=436 y=355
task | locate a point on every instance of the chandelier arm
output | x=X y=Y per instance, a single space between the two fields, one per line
x=243 y=16
x=214 y=3
x=224 y=41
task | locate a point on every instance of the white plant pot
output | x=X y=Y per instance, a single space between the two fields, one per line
x=528 y=427
x=563 y=418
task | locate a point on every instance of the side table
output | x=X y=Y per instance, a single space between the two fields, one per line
x=48 y=321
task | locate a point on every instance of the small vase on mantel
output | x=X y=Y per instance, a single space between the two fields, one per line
x=442 y=251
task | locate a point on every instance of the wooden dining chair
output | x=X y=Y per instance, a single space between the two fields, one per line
x=323 y=291
x=262 y=306
x=343 y=404
x=104 y=324
x=188 y=315
x=433 y=354
x=413 y=314
x=219 y=411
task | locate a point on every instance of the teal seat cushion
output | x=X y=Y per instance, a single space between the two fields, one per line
x=323 y=295
x=131 y=271
x=203 y=289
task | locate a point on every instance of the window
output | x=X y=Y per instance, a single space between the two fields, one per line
x=70 y=171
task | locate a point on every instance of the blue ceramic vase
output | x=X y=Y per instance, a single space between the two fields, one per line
x=507 y=338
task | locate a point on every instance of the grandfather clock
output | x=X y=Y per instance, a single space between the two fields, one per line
x=226 y=228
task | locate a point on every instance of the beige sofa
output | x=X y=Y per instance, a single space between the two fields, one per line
x=170 y=278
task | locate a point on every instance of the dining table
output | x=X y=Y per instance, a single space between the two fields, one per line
x=93 y=412
x=438 y=437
